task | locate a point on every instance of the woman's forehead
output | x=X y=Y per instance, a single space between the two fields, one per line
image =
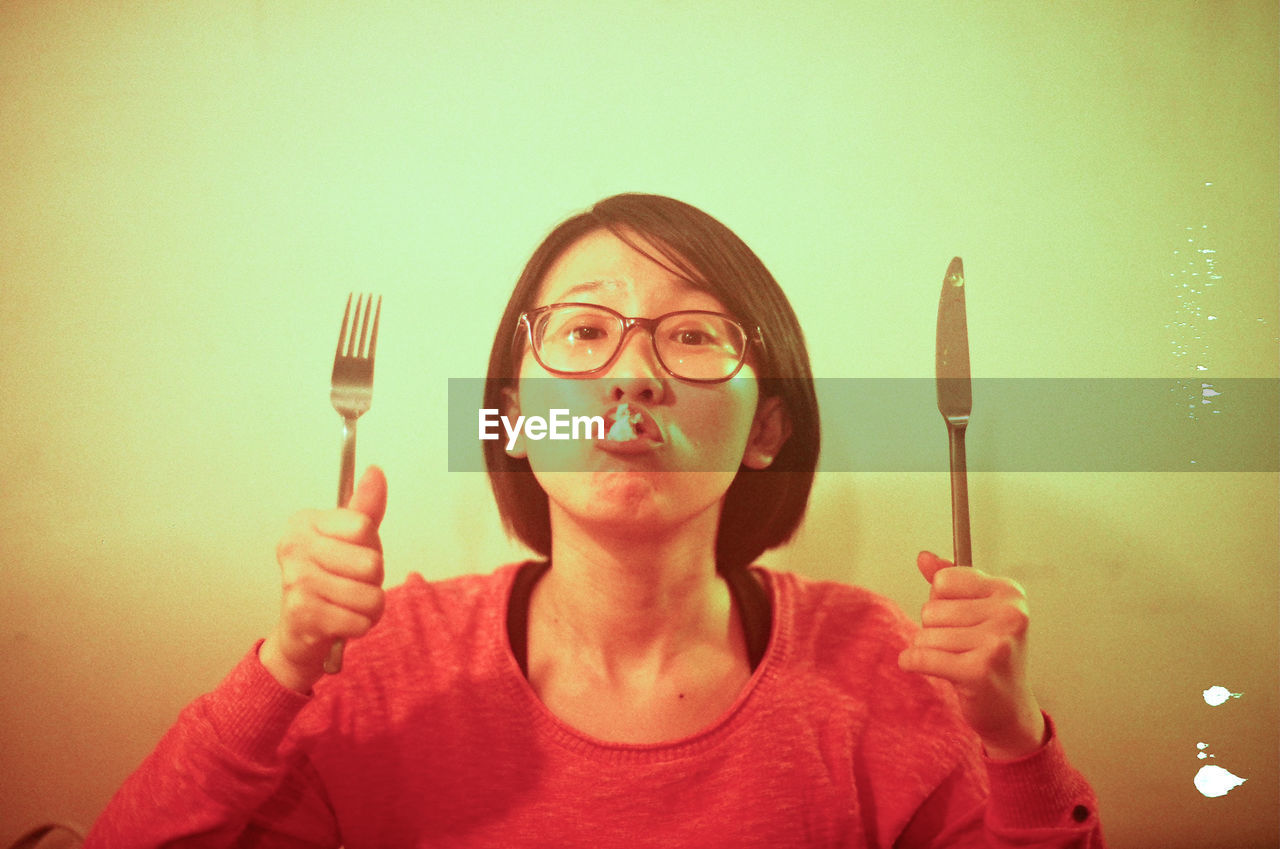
x=602 y=267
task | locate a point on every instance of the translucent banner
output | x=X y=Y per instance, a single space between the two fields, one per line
x=891 y=425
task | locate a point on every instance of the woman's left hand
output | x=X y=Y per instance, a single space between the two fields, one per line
x=974 y=635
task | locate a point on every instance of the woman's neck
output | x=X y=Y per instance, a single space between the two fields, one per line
x=635 y=640
x=634 y=601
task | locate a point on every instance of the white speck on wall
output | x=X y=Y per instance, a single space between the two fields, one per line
x=1194 y=277
x=1214 y=781
x=1217 y=695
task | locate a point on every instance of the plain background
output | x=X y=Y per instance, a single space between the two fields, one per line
x=188 y=191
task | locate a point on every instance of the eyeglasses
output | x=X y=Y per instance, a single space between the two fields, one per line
x=583 y=339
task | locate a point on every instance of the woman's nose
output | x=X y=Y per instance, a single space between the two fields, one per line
x=636 y=373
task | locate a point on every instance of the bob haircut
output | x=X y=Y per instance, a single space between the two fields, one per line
x=762 y=507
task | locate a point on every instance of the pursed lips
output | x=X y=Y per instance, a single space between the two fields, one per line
x=630 y=425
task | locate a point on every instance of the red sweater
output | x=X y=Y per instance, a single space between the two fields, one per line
x=432 y=737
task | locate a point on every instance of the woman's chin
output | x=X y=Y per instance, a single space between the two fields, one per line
x=625 y=504
x=623 y=499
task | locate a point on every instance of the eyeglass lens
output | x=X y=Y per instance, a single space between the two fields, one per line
x=692 y=345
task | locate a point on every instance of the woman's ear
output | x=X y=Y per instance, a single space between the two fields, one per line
x=769 y=431
x=511 y=410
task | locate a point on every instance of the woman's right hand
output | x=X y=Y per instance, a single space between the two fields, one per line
x=331 y=570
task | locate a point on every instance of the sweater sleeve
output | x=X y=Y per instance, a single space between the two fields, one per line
x=221 y=771
x=1037 y=801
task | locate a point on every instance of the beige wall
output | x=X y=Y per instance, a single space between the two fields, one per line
x=189 y=190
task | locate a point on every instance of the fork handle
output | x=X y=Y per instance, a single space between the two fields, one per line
x=347 y=476
x=346 y=483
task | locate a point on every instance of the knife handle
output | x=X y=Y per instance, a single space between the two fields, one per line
x=959 y=497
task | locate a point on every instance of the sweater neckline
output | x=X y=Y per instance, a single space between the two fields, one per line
x=551 y=727
x=750 y=601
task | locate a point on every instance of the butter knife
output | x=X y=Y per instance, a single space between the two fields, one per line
x=955 y=399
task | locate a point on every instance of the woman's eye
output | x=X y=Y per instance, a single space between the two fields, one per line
x=586 y=333
x=697 y=336
x=693 y=337
x=578 y=327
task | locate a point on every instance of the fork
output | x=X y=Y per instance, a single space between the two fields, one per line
x=351 y=395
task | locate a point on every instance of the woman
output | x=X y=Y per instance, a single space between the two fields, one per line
x=643 y=684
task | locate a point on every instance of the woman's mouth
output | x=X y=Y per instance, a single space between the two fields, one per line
x=631 y=430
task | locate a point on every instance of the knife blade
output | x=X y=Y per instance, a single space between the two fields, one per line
x=955 y=399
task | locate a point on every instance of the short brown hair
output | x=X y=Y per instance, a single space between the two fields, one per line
x=762 y=507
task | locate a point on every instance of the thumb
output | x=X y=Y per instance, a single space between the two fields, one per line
x=930 y=564
x=370 y=497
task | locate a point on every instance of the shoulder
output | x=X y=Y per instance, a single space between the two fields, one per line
x=448 y=606
x=845 y=640
x=434 y=642
x=417 y=591
x=899 y=734
x=456 y=616
x=832 y=613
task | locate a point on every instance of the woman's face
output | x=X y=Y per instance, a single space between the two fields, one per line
x=689 y=438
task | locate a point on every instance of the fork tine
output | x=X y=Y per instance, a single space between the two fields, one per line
x=355 y=325
x=364 y=325
x=373 y=338
x=342 y=334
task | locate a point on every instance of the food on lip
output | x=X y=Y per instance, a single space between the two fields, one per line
x=622 y=429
